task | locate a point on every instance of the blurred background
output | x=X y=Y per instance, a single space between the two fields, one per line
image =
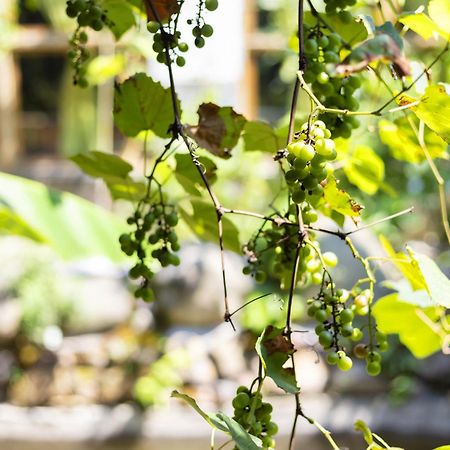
x=83 y=364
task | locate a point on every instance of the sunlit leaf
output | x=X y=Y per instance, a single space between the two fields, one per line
x=187 y=174
x=218 y=129
x=12 y=224
x=340 y=201
x=274 y=349
x=102 y=68
x=421 y=24
x=433 y=109
x=439 y=11
x=74 y=227
x=403 y=143
x=242 y=439
x=365 y=169
x=395 y=316
x=120 y=15
x=141 y=104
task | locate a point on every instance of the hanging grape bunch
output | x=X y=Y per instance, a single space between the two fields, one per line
x=167 y=37
x=254 y=416
x=322 y=52
x=153 y=231
x=332 y=6
x=88 y=13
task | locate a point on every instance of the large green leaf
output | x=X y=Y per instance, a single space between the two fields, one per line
x=114 y=171
x=438 y=285
x=203 y=222
x=260 y=136
x=395 y=316
x=274 y=349
x=120 y=15
x=365 y=169
x=142 y=104
x=12 y=224
x=218 y=129
x=340 y=201
x=443 y=447
x=421 y=24
x=187 y=174
x=433 y=109
x=74 y=227
x=399 y=136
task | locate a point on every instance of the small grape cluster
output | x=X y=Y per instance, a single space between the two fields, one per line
x=79 y=56
x=88 y=13
x=371 y=353
x=154 y=229
x=309 y=156
x=332 y=6
x=335 y=321
x=254 y=416
x=201 y=29
x=322 y=52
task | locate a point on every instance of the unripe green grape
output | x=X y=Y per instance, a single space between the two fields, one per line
x=383 y=346
x=325 y=339
x=331 y=57
x=311 y=47
x=83 y=19
x=153 y=26
x=373 y=368
x=346 y=315
x=271 y=428
x=345 y=16
x=319 y=328
x=310 y=182
x=302 y=173
x=242 y=388
x=211 y=5
x=322 y=78
x=344 y=363
x=199 y=42
x=373 y=356
x=71 y=11
x=323 y=41
x=332 y=358
x=183 y=47
x=357 y=335
x=347 y=330
x=311 y=311
x=260 y=276
x=207 y=30
x=298 y=196
x=268 y=442
x=97 y=25
x=316 y=278
x=161 y=58
x=310 y=216
x=241 y=400
x=321 y=315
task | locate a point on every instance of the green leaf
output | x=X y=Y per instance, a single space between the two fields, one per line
x=421 y=24
x=275 y=349
x=438 y=285
x=433 y=109
x=12 y=224
x=439 y=11
x=365 y=169
x=114 y=171
x=340 y=201
x=403 y=144
x=395 y=316
x=203 y=222
x=406 y=265
x=209 y=418
x=74 y=227
x=443 y=447
x=260 y=136
x=121 y=16
x=187 y=174
x=102 y=68
x=242 y=439
x=141 y=104
x=218 y=129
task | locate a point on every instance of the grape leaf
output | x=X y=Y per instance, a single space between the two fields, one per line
x=403 y=144
x=218 y=129
x=433 y=109
x=260 y=136
x=365 y=169
x=437 y=284
x=439 y=11
x=11 y=224
x=340 y=201
x=443 y=447
x=203 y=222
x=274 y=349
x=120 y=16
x=142 y=104
x=395 y=316
x=187 y=174
x=421 y=24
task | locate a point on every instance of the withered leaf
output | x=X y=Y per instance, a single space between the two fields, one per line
x=164 y=9
x=218 y=129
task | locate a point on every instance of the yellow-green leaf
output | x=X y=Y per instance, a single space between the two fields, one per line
x=439 y=11
x=340 y=201
x=421 y=24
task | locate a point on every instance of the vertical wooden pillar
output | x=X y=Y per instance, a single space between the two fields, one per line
x=9 y=96
x=249 y=83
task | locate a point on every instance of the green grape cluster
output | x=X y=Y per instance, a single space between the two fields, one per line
x=254 y=416
x=335 y=321
x=201 y=29
x=322 y=53
x=309 y=156
x=88 y=13
x=164 y=38
x=332 y=6
x=371 y=353
x=154 y=230
x=79 y=56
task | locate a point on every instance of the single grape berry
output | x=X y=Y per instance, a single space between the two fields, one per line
x=211 y=5
x=153 y=26
x=344 y=363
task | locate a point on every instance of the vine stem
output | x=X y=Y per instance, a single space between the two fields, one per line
x=178 y=130
x=324 y=431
